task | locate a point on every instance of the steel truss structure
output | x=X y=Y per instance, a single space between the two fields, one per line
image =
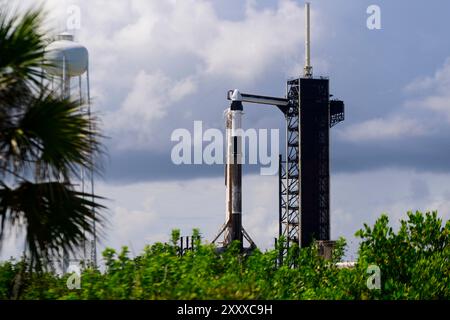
x=289 y=171
x=304 y=173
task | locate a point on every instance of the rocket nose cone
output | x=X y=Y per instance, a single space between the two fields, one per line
x=236 y=95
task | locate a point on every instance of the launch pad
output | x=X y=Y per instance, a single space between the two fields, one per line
x=304 y=173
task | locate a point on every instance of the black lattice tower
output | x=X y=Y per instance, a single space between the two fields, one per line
x=304 y=173
x=289 y=226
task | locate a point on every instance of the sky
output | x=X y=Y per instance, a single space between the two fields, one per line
x=156 y=66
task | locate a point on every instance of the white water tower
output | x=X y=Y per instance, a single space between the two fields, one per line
x=67 y=66
x=65 y=60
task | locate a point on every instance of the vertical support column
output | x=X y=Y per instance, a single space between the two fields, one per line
x=280 y=196
x=65 y=81
x=289 y=179
x=92 y=182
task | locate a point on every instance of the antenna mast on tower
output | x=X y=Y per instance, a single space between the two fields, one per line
x=307 y=72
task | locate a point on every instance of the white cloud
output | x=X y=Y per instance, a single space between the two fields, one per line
x=148 y=98
x=380 y=129
x=128 y=222
x=244 y=49
x=425 y=94
x=135 y=123
x=432 y=92
x=146 y=56
x=440 y=81
x=182 y=88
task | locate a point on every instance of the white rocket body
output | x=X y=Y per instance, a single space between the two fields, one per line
x=233 y=230
x=233 y=172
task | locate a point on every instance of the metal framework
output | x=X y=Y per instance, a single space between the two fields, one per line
x=304 y=173
x=289 y=171
x=81 y=91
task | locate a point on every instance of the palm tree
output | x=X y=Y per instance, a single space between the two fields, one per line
x=44 y=142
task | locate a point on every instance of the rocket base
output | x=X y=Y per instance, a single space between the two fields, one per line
x=226 y=231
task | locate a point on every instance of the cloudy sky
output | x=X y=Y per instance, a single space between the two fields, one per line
x=161 y=65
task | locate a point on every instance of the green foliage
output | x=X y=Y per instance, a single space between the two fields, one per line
x=414 y=263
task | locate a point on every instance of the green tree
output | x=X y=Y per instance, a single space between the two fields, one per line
x=44 y=143
x=414 y=262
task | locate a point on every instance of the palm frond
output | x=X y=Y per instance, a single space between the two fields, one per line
x=56 y=216
x=53 y=134
x=44 y=142
x=22 y=44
